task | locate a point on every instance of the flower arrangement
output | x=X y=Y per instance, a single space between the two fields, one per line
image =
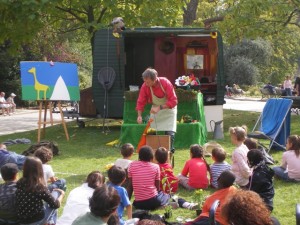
x=185 y=80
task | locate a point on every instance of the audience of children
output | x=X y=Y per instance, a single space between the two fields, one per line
x=32 y=192
x=9 y=173
x=219 y=165
x=261 y=180
x=168 y=181
x=144 y=181
x=289 y=170
x=78 y=199
x=239 y=165
x=103 y=203
x=46 y=155
x=194 y=173
x=117 y=176
x=225 y=190
x=151 y=183
x=247 y=208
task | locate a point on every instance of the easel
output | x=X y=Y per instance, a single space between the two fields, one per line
x=48 y=105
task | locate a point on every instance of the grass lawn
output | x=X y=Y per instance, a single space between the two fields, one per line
x=87 y=151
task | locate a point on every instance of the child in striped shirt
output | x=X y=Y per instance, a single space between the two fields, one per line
x=219 y=165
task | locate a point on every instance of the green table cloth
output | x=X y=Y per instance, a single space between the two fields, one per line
x=187 y=133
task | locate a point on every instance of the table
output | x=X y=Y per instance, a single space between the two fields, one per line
x=187 y=133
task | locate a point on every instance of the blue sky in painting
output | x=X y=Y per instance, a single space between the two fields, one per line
x=48 y=75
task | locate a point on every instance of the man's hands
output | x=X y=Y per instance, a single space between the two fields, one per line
x=139 y=119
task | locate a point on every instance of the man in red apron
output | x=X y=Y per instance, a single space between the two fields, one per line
x=159 y=92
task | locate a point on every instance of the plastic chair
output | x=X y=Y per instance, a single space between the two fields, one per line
x=274 y=122
x=212 y=212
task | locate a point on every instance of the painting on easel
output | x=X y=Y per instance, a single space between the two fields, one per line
x=52 y=81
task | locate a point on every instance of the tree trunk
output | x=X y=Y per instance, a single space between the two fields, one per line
x=190 y=12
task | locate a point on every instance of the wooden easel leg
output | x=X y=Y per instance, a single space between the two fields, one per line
x=40 y=121
x=63 y=120
x=50 y=111
x=45 y=119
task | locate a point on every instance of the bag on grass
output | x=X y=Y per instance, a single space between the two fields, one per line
x=53 y=146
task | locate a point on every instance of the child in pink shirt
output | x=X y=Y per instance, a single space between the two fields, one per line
x=240 y=166
x=290 y=165
x=194 y=174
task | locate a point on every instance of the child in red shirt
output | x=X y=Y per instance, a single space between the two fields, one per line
x=194 y=173
x=168 y=181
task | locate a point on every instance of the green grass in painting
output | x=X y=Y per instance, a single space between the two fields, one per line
x=29 y=93
x=87 y=151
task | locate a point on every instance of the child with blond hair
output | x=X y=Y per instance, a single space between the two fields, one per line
x=239 y=165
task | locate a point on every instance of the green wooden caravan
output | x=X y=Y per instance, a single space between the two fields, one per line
x=173 y=52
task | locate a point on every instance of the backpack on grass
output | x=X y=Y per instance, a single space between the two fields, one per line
x=53 y=146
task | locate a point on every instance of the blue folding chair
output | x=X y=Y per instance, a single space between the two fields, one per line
x=274 y=123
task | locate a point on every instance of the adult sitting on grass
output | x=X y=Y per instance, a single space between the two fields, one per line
x=225 y=189
x=78 y=199
x=10 y=157
x=103 y=204
x=9 y=173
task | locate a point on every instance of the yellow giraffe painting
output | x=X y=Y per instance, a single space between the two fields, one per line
x=37 y=85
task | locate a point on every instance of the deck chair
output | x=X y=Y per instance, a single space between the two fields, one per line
x=274 y=123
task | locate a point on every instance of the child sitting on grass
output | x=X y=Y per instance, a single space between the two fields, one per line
x=168 y=181
x=290 y=164
x=127 y=152
x=239 y=165
x=144 y=181
x=225 y=190
x=45 y=155
x=261 y=180
x=32 y=193
x=219 y=165
x=194 y=173
x=117 y=176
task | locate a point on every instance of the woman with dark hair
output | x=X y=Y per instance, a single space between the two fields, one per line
x=144 y=181
x=261 y=180
x=247 y=208
x=194 y=172
x=103 y=204
x=31 y=194
x=78 y=200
